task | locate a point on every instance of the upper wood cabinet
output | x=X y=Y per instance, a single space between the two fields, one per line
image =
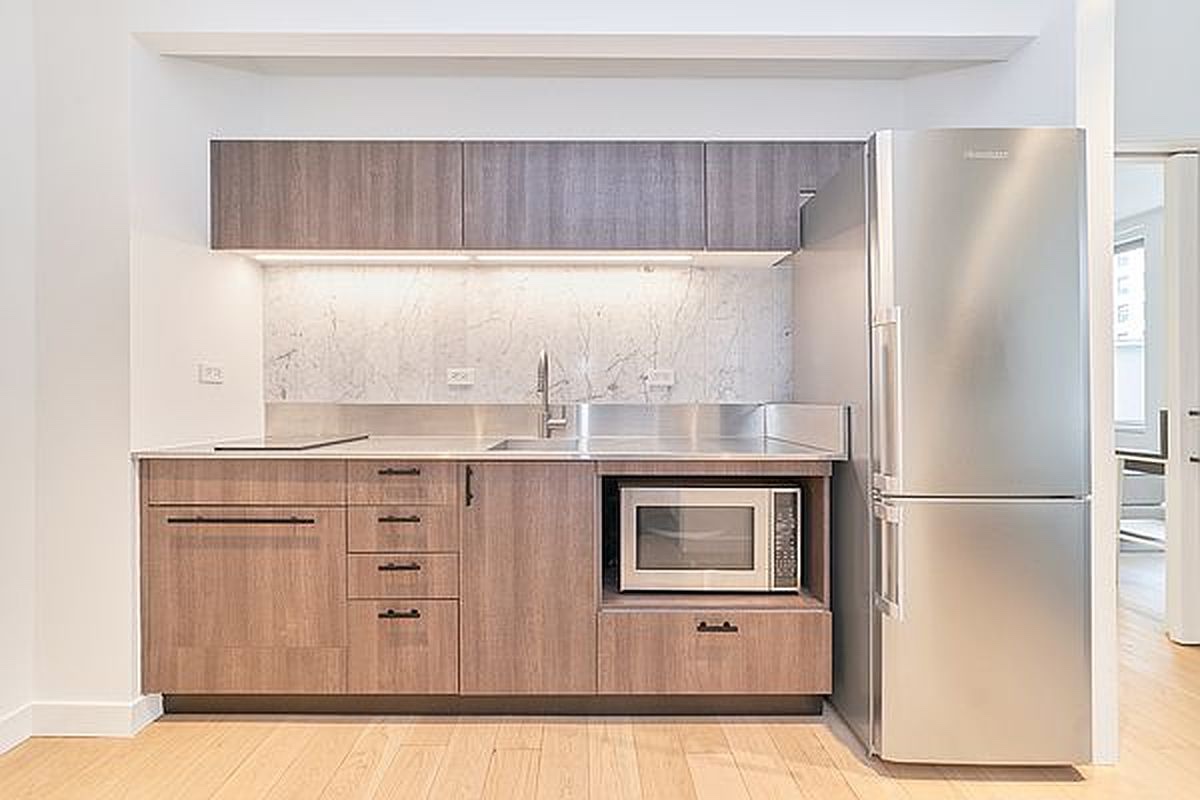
x=529 y=579
x=755 y=190
x=313 y=195
x=584 y=195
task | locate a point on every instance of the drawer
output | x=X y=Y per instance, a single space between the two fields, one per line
x=244 y=481
x=405 y=647
x=692 y=652
x=402 y=482
x=403 y=529
x=403 y=575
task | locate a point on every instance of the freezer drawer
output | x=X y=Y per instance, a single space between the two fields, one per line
x=984 y=631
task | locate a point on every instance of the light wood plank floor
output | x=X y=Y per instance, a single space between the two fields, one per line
x=720 y=758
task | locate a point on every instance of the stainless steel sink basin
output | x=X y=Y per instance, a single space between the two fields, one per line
x=538 y=445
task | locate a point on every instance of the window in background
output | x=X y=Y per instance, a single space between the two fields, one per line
x=1130 y=333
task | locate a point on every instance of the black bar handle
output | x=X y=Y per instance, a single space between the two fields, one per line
x=387 y=471
x=201 y=520
x=391 y=566
x=1194 y=412
x=470 y=493
x=392 y=518
x=1194 y=459
x=392 y=613
x=724 y=627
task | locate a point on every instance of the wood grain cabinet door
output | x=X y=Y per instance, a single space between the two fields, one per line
x=244 y=599
x=755 y=189
x=584 y=195
x=322 y=195
x=529 y=580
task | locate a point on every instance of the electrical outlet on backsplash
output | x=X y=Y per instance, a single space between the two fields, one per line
x=387 y=333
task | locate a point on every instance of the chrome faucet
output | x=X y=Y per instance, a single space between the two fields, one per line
x=548 y=423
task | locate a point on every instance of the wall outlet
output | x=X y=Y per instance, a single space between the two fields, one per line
x=460 y=376
x=660 y=378
x=211 y=373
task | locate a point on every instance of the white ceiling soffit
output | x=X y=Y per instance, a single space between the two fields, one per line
x=718 y=55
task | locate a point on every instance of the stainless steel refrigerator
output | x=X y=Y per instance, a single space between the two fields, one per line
x=941 y=291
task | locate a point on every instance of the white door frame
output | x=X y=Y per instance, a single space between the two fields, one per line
x=1181 y=232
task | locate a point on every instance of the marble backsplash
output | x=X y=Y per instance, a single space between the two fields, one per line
x=388 y=333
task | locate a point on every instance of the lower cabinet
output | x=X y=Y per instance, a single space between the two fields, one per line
x=403 y=647
x=715 y=652
x=244 y=600
x=529 y=579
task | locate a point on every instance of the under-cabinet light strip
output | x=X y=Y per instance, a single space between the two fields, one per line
x=586 y=258
x=504 y=258
x=358 y=258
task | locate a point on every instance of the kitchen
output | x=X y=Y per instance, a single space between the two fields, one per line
x=716 y=355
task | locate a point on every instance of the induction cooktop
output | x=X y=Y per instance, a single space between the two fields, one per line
x=287 y=443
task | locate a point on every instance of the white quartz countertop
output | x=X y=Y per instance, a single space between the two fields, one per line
x=499 y=448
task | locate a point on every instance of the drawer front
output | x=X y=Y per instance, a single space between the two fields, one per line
x=765 y=652
x=246 y=670
x=245 y=481
x=403 y=529
x=402 y=482
x=404 y=575
x=403 y=647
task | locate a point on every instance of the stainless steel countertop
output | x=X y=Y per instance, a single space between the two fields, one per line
x=480 y=449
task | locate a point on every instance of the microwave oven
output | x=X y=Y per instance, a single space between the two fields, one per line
x=710 y=538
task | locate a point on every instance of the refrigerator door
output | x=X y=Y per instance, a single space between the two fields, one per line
x=983 y=631
x=978 y=313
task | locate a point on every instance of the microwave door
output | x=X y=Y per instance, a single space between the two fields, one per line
x=694 y=539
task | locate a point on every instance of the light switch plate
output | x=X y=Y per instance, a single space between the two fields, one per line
x=211 y=373
x=660 y=378
x=460 y=376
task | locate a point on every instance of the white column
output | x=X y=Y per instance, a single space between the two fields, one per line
x=1181 y=231
x=1094 y=47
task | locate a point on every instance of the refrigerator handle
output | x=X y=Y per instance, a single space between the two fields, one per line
x=890 y=593
x=888 y=375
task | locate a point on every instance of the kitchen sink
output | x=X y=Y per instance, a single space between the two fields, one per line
x=538 y=445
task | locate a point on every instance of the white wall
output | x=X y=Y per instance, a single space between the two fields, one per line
x=187 y=304
x=17 y=394
x=1158 y=73
x=85 y=605
x=1036 y=87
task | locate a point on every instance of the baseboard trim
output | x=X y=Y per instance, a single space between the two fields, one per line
x=95 y=719
x=16 y=727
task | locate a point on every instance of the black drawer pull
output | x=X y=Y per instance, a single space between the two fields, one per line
x=724 y=627
x=1194 y=459
x=388 y=471
x=199 y=520
x=392 y=613
x=394 y=567
x=411 y=518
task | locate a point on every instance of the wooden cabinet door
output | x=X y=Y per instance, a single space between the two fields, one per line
x=529 y=579
x=755 y=189
x=244 y=599
x=322 y=195
x=584 y=195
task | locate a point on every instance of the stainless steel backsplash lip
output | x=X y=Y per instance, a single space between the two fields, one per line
x=822 y=426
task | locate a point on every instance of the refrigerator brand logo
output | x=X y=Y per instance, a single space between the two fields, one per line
x=986 y=155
